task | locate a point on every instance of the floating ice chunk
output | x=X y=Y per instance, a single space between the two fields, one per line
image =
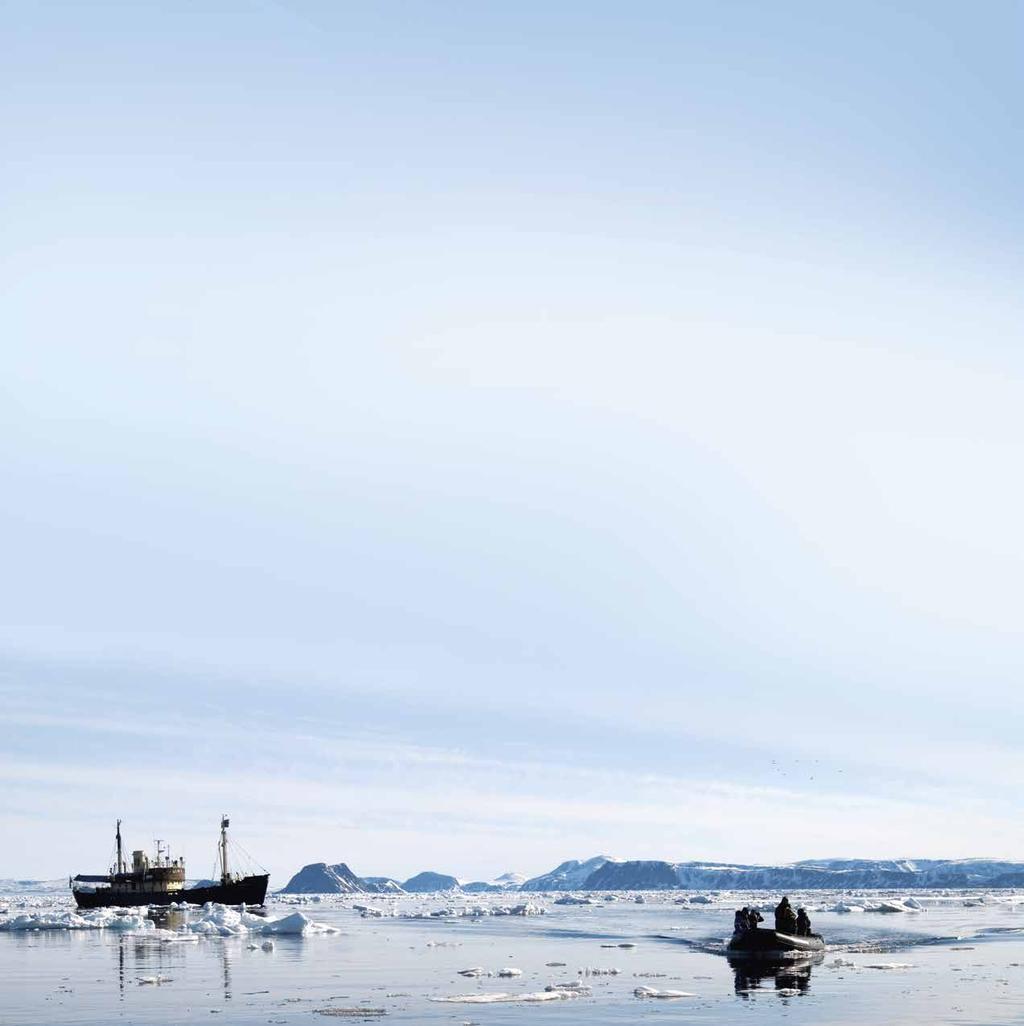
x=626 y=944
x=599 y=972
x=296 y=924
x=888 y=965
x=841 y=963
x=892 y=905
x=526 y=909
x=475 y=999
x=554 y=992
x=92 y=919
x=573 y=988
x=652 y=992
x=509 y=971
x=473 y=971
x=146 y=981
x=573 y=899
x=356 y=1013
x=369 y=912
x=216 y=920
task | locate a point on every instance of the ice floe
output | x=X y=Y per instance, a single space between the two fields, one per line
x=574 y=988
x=215 y=920
x=210 y=920
x=491 y=999
x=653 y=992
x=892 y=905
x=91 y=919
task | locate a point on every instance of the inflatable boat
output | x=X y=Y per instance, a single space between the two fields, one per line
x=770 y=943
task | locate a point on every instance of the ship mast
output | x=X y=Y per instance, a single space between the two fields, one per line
x=120 y=853
x=224 y=849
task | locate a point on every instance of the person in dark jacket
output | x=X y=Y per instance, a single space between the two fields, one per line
x=803 y=923
x=754 y=917
x=785 y=917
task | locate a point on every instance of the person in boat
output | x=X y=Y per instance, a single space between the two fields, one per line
x=754 y=917
x=803 y=923
x=785 y=917
x=741 y=922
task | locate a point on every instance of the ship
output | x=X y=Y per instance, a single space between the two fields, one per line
x=161 y=880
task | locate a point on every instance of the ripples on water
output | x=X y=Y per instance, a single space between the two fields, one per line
x=949 y=963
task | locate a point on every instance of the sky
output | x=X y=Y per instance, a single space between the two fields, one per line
x=471 y=436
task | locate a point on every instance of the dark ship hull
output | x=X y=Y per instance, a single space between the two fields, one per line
x=250 y=890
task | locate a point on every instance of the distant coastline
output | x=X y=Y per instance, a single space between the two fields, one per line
x=603 y=872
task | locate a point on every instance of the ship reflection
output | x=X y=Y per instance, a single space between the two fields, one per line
x=143 y=956
x=786 y=976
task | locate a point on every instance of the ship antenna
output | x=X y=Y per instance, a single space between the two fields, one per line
x=120 y=854
x=224 y=823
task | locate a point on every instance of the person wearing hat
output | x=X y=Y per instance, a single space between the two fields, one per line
x=785 y=917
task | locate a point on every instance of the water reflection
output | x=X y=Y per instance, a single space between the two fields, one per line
x=786 y=975
x=168 y=918
x=155 y=957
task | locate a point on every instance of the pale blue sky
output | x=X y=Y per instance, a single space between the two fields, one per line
x=470 y=436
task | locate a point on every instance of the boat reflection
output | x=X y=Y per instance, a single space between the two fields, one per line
x=786 y=975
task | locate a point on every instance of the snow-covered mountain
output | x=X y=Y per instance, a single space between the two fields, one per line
x=569 y=876
x=505 y=882
x=320 y=878
x=383 y=884
x=422 y=883
x=512 y=881
x=602 y=873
